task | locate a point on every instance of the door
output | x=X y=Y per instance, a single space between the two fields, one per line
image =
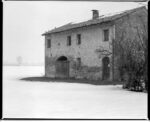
x=62 y=69
x=106 y=68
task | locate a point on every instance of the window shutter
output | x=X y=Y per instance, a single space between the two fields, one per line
x=106 y=35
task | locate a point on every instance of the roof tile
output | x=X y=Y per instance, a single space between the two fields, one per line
x=92 y=21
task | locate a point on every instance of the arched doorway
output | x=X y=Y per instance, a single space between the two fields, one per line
x=62 y=67
x=105 y=68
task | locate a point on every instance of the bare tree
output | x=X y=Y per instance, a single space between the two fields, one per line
x=102 y=51
x=133 y=55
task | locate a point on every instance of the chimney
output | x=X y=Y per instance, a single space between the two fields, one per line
x=95 y=14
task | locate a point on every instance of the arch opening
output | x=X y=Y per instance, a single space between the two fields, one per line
x=62 y=58
x=105 y=60
x=62 y=67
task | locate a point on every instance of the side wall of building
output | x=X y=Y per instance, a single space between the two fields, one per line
x=126 y=29
x=91 y=40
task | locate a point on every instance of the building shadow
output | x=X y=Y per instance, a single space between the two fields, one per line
x=71 y=80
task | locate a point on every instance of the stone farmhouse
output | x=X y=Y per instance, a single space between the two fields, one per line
x=71 y=50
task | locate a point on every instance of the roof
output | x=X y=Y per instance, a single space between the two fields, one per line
x=101 y=19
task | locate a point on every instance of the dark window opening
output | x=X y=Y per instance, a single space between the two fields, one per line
x=106 y=35
x=78 y=62
x=68 y=40
x=79 y=39
x=48 y=43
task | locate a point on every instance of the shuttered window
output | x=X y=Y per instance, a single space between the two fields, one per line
x=68 y=40
x=79 y=62
x=78 y=39
x=49 y=43
x=106 y=35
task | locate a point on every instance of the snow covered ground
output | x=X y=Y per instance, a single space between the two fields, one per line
x=25 y=99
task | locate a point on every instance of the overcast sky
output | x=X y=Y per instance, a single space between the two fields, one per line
x=25 y=21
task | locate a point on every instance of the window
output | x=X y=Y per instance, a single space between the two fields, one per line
x=79 y=62
x=48 y=43
x=106 y=35
x=78 y=39
x=68 y=40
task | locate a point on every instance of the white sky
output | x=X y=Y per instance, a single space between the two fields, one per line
x=25 y=21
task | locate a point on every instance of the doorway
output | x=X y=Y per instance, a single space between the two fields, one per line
x=62 y=67
x=105 y=68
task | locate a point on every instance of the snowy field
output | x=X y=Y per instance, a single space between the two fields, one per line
x=25 y=99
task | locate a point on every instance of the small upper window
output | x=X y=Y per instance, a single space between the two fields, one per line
x=69 y=41
x=106 y=35
x=48 y=43
x=78 y=39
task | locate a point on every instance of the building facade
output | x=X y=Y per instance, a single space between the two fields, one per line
x=86 y=50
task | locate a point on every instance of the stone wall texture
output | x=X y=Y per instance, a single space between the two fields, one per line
x=91 y=39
